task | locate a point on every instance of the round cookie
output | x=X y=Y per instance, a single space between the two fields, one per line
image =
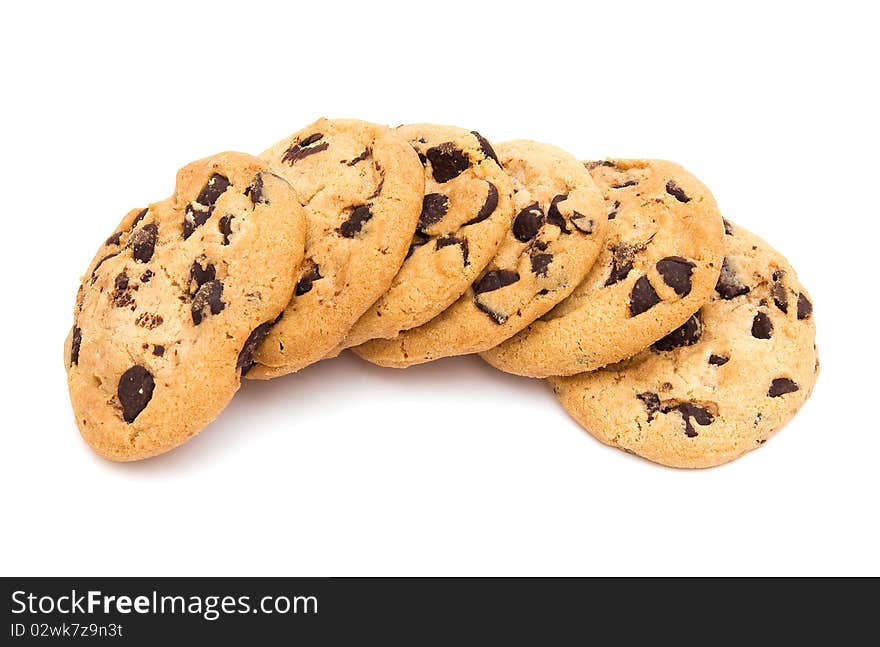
x=719 y=385
x=466 y=211
x=175 y=302
x=661 y=259
x=362 y=186
x=549 y=245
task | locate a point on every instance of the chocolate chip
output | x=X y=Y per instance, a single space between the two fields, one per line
x=226 y=227
x=728 y=227
x=498 y=317
x=582 y=223
x=779 y=292
x=143 y=242
x=76 y=342
x=422 y=158
x=623 y=185
x=246 y=357
x=622 y=256
x=199 y=275
x=419 y=239
x=304 y=148
x=488 y=207
x=195 y=217
x=718 y=360
x=676 y=192
x=207 y=299
x=158 y=350
x=135 y=391
x=729 y=285
x=99 y=263
x=121 y=296
x=141 y=215
x=114 y=239
x=676 y=273
x=762 y=327
x=446 y=241
x=651 y=402
x=495 y=280
x=447 y=161
x=146 y=276
x=687 y=334
x=434 y=207
x=305 y=281
x=148 y=320
x=540 y=262
x=213 y=189
x=643 y=297
x=355 y=221
x=615 y=209
x=528 y=222
x=486 y=147
x=804 y=307
x=360 y=158
x=255 y=191
x=121 y=281
x=691 y=411
x=781 y=386
x=553 y=215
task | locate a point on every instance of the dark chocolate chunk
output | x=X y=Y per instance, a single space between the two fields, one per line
x=360 y=158
x=146 y=276
x=422 y=158
x=143 y=242
x=495 y=280
x=158 y=350
x=137 y=219
x=304 y=148
x=226 y=227
x=779 y=292
x=553 y=215
x=434 y=207
x=615 y=209
x=729 y=285
x=447 y=161
x=355 y=221
x=528 y=222
x=728 y=227
x=121 y=281
x=691 y=411
x=121 y=297
x=207 y=299
x=305 y=281
x=687 y=334
x=676 y=272
x=624 y=184
x=488 y=207
x=643 y=297
x=446 y=241
x=101 y=262
x=486 y=147
x=134 y=391
x=213 y=189
x=148 y=320
x=114 y=239
x=195 y=217
x=651 y=402
x=540 y=262
x=199 y=275
x=676 y=192
x=419 y=239
x=75 y=343
x=622 y=256
x=781 y=386
x=718 y=360
x=762 y=327
x=804 y=307
x=246 y=357
x=498 y=317
x=255 y=191
x=582 y=223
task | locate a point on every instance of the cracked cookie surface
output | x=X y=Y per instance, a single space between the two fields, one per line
x=555 y=234
x=722 y=383
x=174 y=303
x=362 y=187
x=661 y=259
x=466 y=210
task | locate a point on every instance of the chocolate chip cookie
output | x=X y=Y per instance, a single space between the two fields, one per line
x=466 y=211
x=549 y=245
x=174 y=304
x=362 y=188
x=661 y=259
x=719 y=385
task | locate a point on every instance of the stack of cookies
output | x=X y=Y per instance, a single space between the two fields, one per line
x=664 y=329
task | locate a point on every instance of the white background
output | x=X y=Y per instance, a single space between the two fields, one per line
x=450 y=468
